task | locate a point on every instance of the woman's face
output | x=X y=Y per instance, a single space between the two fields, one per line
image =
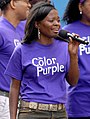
x=50 y=26
x=22 y=8
x=86 y=11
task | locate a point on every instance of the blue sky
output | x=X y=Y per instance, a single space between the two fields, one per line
x=60 y=5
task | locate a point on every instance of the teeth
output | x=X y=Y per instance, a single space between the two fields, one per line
x=56 y=31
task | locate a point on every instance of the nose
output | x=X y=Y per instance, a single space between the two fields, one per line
x=29 y=5
x=56 y=22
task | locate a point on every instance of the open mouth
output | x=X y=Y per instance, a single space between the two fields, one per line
x=56 y=31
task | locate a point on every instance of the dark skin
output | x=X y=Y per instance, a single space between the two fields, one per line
x=35 y=1
x=85 y=9
x=0 y=13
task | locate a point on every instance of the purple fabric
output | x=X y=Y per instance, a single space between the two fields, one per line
x=42 y=69
x=9 y=38
x=78 y=104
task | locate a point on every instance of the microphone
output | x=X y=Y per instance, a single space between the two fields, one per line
x=64 y=35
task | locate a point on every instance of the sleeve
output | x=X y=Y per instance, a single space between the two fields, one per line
x=14 y=67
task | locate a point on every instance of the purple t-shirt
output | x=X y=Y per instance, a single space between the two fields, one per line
x=42 y=69
x=79 y=96
x=9 y=38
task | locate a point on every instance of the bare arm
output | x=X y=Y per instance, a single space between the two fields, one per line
x=73 y=74
x=13 y=98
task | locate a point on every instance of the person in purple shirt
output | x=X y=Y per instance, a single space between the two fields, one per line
x=39 y=67
x=77 y=17
x=12 y=13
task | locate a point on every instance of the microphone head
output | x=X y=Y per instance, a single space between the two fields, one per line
x=63 y=34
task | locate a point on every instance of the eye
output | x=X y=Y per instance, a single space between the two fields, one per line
x=58 y=20
x=51 y=20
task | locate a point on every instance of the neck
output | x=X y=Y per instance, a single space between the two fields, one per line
x=11 y=18
x=85 y=21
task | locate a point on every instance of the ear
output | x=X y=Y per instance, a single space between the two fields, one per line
x=12 y=4
x=80 y=7
x=37 y=24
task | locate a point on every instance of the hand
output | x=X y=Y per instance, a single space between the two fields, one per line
x=73 y=45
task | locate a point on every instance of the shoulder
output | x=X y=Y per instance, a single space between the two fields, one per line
x=22 y=47
x=18 y=48
x=72 y=27
x=73 y=24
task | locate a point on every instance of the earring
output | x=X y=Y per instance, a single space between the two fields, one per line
x=38 y=33
x=81 y=12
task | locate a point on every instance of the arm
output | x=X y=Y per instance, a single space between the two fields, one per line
x=73 y=74
x=13 y=98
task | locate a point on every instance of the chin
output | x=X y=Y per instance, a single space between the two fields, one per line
x=55 y=35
